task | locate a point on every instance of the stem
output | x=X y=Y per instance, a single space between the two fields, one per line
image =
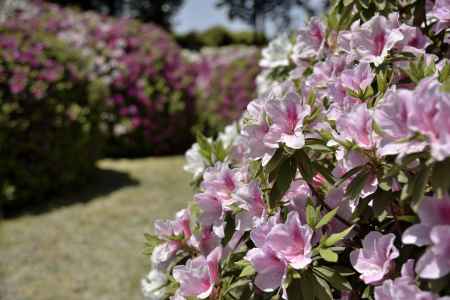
x=324 y=204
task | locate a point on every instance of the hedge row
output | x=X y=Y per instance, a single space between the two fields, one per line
x=49 y=117
x=72 y=82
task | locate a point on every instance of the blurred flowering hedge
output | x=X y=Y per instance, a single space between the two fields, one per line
x=226 y=84
x=49 y=116
x=335 y=182
x=151 y=86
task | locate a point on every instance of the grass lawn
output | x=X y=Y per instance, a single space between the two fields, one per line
x=90 y=246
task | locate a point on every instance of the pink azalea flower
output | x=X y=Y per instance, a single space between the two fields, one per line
x=271 y=269
x=279 y=245
x=310 y=41
x=372 y=40
x=413 y=41
x=327 y=71
x=351 y=160
x=211 y=207
x=430 y=115
x=404 y=287
x=341 y=102
x=205 y=241
x=292 y=241
x=18 y=82
x=164 y=254
x=221 y=181
x=375 y=259
x=287 y=122
x=358 y=78
x=432 y=213
x=435 y=262
x=259 y=234
x=254 y=139
x=173 y=228
x=336 y=198
x=441 y=11
x=356 y=127
x=392 y=117
x=249 y=198
x=296 y=197
x=198 y=276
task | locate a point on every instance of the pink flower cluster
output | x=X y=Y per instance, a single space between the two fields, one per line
x=226 y=83
x=151 y=88
x=335 y=181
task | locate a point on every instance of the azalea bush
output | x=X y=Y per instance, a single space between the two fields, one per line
x=334 y=183
x=226 y=84
x=49 y=117
x=151 y=88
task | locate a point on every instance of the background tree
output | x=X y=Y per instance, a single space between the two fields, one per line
x=156 y=11
x=256 y=12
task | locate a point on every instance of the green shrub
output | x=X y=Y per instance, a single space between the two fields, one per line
x=49 y=117
x=219 y=36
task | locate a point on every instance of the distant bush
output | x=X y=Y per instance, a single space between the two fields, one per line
x=49 y=116
x=226 y=84
x=151 y=86
x=219 y=36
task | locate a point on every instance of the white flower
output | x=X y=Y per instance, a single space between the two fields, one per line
x=228 y=136
x=277 y=52
x=153 y=285
x=263 y=83
x=195 y=162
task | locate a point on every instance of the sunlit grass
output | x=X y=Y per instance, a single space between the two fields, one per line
x=92 y=249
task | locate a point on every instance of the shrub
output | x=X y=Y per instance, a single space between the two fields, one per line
x=151 y=86
x=226 y=84
x=219 y=36
x=334 y=184
x=49 y=120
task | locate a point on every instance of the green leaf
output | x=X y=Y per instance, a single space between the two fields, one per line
x=205 y=146
x=349 y=174
x=282 y=182
x=381 y=82
x=304 y=165
x=445 y=73
x=276 y=160
x=336 y=237
x=357 y=184
x=327 y=218
x=295 y=290
x=151 y=241
x=419 y=184
x=440 y=178
x=438 y=285
x=367 y=293
x=381 y=204
x=230 y=228
x=237 y=284
x=328 y=254
x=312 y=215
x=408 y=218
x=348 y=2
x=324 y=172
x=247 y=271
x=322 y=290
x=333 y=277
x=307 y=286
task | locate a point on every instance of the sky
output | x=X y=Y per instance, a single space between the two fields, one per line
x=201 y=14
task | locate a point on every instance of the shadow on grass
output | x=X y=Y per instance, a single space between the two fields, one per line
x=102 y=183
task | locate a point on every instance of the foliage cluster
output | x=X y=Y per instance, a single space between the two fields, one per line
x=334 y=183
